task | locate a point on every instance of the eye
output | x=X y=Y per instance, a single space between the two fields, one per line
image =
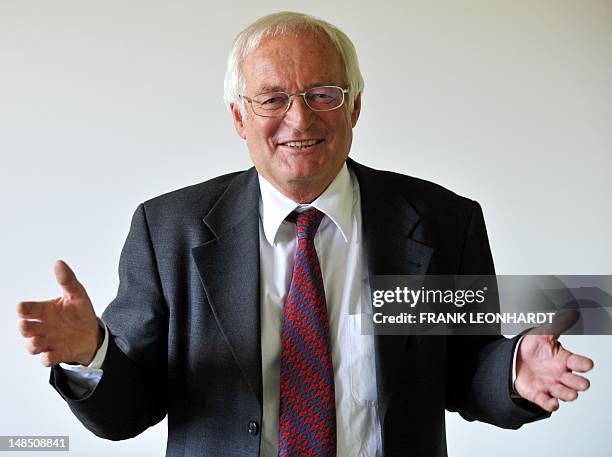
x=324 y=98
x=272 y=100
x=320 y=97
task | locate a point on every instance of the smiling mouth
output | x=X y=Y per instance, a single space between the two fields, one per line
x=300 y=144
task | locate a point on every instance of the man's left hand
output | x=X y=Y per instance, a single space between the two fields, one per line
x=545 y=369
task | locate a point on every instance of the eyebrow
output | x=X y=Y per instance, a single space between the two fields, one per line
x=266 y=89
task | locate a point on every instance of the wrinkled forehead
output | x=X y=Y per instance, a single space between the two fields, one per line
x=293 y=61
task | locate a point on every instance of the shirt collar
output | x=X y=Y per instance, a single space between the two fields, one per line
x=336 y=202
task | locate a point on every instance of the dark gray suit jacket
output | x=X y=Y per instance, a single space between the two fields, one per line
x=186 y=333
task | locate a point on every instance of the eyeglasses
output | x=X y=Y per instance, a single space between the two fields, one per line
x=273 y=104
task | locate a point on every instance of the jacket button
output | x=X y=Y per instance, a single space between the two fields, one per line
x=253 y=428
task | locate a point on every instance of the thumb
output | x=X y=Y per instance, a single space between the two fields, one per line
x=561 y=323
x=66 y=278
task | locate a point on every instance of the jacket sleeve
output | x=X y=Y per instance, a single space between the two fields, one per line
x=479 y=367
x=131 y=395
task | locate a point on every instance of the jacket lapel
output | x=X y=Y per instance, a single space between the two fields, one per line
x=228 y=265
x=388 y=223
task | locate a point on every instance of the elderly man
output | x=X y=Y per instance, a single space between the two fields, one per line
x=239 y=301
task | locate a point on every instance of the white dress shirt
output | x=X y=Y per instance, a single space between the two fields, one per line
x=338 y=243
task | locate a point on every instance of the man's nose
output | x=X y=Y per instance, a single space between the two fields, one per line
x=299 y=115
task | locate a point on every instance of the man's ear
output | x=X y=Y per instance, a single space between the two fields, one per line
x=239 y=122
x=356 y=110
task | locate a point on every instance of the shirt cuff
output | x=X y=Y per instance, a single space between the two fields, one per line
x=514 y=393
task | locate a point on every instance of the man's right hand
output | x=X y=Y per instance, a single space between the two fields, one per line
x=64 y=329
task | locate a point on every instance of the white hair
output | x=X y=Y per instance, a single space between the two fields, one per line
x=279 y=24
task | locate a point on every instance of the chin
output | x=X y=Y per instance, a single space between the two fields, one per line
x=304 y=172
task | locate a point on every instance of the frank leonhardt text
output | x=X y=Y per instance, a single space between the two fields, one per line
x=457 y=298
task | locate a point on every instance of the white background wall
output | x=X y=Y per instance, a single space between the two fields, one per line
x=106 y=104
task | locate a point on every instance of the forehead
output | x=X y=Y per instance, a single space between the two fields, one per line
x=293 y=62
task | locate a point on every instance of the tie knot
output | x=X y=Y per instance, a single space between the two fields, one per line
x=307 y=222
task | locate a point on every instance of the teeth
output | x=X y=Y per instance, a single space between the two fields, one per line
x=301 y=144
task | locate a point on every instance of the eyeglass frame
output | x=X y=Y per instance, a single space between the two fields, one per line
x=303 y=94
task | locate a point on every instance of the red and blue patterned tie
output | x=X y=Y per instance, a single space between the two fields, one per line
x=307 y=421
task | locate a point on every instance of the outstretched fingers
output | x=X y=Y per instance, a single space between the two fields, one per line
x=579 y=363
x=563 y=392
x=546 y=402
x=574 y=381
x=34 y=309
x=30 y=328
x=37 y=344
x=50 y=359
